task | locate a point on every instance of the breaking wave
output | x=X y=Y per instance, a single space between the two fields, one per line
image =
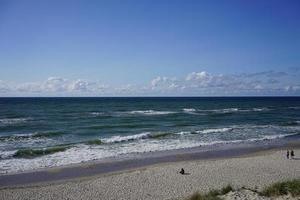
x=18 y=137
x=215 y=130
x=31 y=153
x=118 y=138
x=222 y=111
x=150 y=112
x=13 y=121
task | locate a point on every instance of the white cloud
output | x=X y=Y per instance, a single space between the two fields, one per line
x=292 y=88
x=4 y=87
x=197 y=76
x=79 y=85
x=192 y=84
x=30 y=87
x=55 y=84
x=164 y=83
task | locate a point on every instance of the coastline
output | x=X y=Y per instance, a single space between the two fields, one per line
x=138 y=161
x=162 y=181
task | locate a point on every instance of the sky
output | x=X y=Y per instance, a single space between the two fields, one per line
x=149 y=48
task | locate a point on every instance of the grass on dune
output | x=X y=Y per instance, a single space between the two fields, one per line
x=283 y=188
x=211 y=195
x=291 y=187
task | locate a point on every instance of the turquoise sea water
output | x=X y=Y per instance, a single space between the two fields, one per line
x=45 y=132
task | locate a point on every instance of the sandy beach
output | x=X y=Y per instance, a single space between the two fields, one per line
x=162 y=181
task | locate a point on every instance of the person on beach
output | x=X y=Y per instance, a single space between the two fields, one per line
x=292 y=154
x=181 y=171
x=288 y=154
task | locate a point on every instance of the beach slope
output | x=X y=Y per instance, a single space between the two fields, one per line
x=162 y=181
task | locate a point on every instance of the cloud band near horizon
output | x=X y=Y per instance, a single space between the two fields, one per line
x=265 y=83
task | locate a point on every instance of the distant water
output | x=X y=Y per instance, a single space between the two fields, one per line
x=45 y=132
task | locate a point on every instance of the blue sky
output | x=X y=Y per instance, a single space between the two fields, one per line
x=149 y=48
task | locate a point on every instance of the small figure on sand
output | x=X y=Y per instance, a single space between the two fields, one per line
x=181 y=171
x=288 y=154
x=292 y=154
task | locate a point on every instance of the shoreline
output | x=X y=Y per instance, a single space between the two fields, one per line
x=138 y=161
x=163 y=181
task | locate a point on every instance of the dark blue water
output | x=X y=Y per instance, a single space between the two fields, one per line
x=43 y=132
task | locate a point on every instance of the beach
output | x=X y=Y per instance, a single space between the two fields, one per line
x=163 y=181
x=134 y=148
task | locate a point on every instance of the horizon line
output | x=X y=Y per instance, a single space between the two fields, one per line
x=148 y=96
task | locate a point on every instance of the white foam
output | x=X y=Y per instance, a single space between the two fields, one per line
x=189 y=110
x=221 y=111
x=227 y=110
x=7 y=154
x=183 y=133
x=215 y=130
x=151 y=112
x=119 y=138
x=260 y=109
x=83 y=153
x=11 y=121
x=97 y=113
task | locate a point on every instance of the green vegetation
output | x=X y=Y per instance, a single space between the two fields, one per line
x=226 y=189
x=211 y=195
x=283 y=188
x=277 y=189
x=95 y=142
x=30 y=153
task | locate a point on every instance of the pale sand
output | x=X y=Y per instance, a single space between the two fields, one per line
x=163 y=181
x=244 y=194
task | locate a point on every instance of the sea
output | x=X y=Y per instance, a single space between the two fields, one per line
x=39 y=133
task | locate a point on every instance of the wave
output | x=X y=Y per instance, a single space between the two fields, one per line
x=15 y=137
x=7 y=154
x=272 y=137
x=13 y=121
x=233 y=110
x=97 y=113
x=31 y=153
x=145 y=135
x=18 y=137
x=151 y=112
x=261 y=109
x=215 y=130
x=213 y=111
x=94 y=142
x=294 y=107
x=48 y=134
x=222 y=111
x=160 y=135
x=108 y=126
x=157 y=135
x=266 y=137
x=189 y=109
x=192 y=111
x=290 y=123
x=119 y=138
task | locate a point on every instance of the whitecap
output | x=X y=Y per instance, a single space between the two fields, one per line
x=119 y=138
x=150 y=112
x=189 y=110
x=215 y=130
x=12 y=121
